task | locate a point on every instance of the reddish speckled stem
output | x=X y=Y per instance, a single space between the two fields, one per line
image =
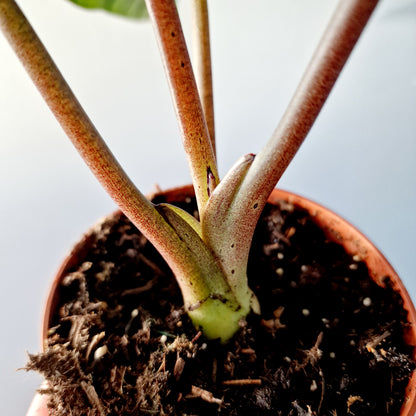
x=333 y=51
x=202 y=62
x=94 y=151
x=336 y=45
x=69 y=113
x=186 y=99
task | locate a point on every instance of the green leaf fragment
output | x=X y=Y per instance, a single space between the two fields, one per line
x=130 y=8
x=175 y=216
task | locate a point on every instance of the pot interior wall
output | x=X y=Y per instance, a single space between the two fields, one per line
x=336 y=229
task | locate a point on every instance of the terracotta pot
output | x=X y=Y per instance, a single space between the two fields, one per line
x=336 y=229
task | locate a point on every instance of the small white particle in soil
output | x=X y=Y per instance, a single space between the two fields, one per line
x=314 y=386
x=51 y=331
x=100 y=352
x=306 y=312
x=204 y=346
x=163 y=339
x=332 y=355
x=280 y=271
x=357 y=258
x=131 y=252
x=280 y=256
x=304 y=268
x=134 y=313
x=287 y=359
x=325 y=320
x=353 y=266
x=352 y=342
x=367 y=301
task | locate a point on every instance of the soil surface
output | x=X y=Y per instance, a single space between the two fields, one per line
x=329 y=340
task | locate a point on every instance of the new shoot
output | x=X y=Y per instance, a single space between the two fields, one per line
x=208 y=256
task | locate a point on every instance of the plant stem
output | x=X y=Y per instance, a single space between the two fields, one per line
x=233 y=261
x=333 y=51
x=69 y=113
x=207 y=296
x=186 y=99
x=202 y=62
x=336 y=45
x=80 y=129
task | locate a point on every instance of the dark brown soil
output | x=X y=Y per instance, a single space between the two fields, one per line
x=329 y=341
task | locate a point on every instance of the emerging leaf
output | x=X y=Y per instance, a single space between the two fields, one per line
x=130 y=8
x=176 y=217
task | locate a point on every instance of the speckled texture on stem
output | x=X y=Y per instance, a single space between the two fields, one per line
x=192 y=122
x=202 y=62
x=193 y=275
x=341 y=35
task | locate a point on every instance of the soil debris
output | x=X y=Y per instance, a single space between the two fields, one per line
x=121 y=343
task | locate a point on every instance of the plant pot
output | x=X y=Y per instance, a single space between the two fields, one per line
x=335 y=228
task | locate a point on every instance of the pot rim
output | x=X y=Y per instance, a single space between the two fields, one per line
x=335 y=227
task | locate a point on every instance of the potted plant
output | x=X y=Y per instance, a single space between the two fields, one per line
x=203 y=254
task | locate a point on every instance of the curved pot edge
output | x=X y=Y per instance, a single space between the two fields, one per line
x=355 y=243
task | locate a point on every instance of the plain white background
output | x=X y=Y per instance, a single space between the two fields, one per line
x=359 y=159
